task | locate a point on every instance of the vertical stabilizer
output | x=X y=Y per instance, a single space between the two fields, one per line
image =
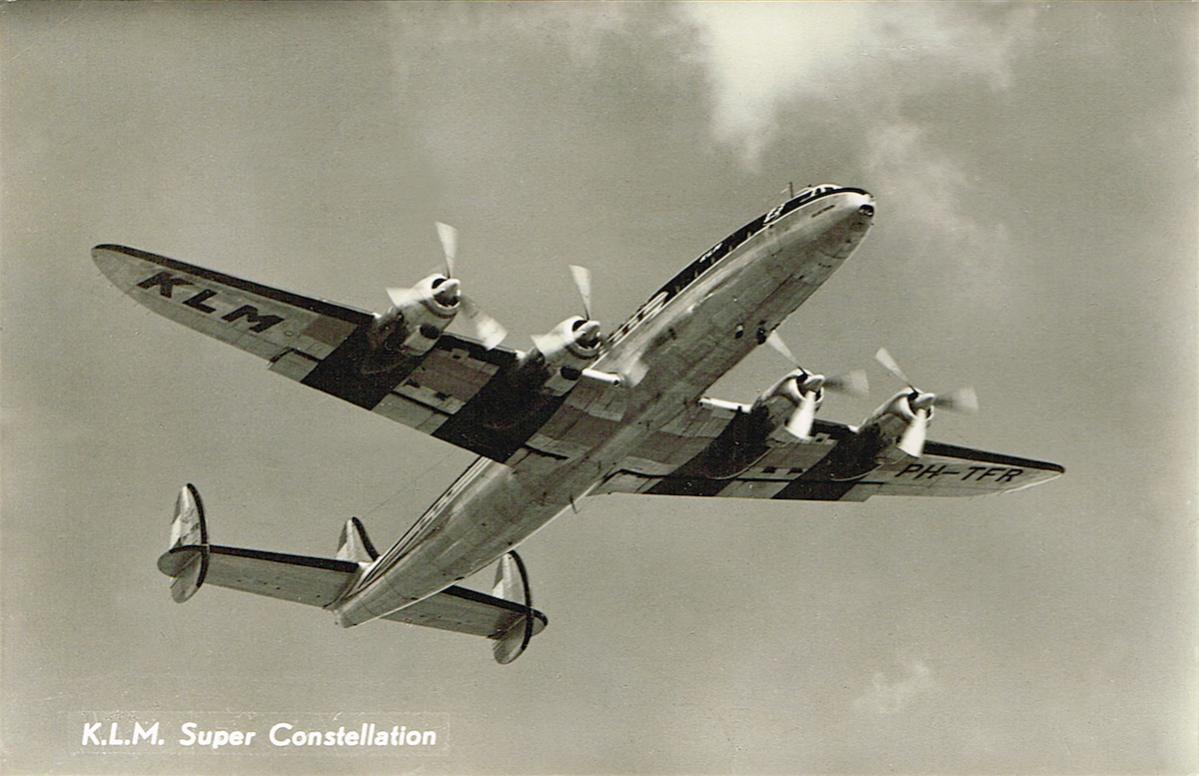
x=354 y=544
x=186 y=559
x=512 y=584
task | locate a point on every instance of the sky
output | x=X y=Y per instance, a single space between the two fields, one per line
x=1034 y=168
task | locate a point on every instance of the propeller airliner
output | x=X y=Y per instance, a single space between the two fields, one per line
x=581 y=413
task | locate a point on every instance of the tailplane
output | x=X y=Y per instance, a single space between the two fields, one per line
x=507 y=617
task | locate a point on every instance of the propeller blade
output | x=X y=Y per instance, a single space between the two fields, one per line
x=403 y=297
x=799 y=425
x=780 y=347
x=961 y=400
x=449 y=246
x=892 y=366
x=582 y=277
x=490 y=332
x=853 y=383
x=912 y=441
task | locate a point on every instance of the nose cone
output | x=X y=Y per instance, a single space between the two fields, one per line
x=849 y=222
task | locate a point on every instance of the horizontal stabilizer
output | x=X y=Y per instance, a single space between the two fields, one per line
x=301 y=579
x=191 y=561
x=507 y=616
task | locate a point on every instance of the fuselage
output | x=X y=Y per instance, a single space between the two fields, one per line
x=689 y=333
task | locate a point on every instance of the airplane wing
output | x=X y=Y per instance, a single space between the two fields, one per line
x=709 y=451
x=320 y=344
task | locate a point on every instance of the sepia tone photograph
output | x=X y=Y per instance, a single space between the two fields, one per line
x=599 y=388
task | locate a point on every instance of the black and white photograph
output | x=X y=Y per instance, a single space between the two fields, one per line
x=599 y=387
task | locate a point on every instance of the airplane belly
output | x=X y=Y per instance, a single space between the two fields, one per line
x=685 y=347
x=488 y=511
x=711 y=326
x=731 y=323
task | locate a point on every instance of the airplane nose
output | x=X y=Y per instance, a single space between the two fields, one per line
x=856 y=216
x=866 y=207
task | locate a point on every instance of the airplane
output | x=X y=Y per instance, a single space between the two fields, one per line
x=579 y=414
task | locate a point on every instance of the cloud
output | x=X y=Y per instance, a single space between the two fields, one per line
x=903 y=165
x=885 y=697
x=765 y=58
x=771 y=67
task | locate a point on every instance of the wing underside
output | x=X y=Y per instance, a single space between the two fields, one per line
x=451 y=392
x=712 y=450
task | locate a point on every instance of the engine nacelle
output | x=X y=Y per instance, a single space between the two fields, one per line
x=900 y=425
x=416 y=320
x=787 y=398
x=886 y=436
x=902 y=406
x=558 y=358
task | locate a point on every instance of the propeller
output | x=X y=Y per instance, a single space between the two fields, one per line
x=448 y=292
x=805 y=388
x=490 y=331
x=582 y=278
x=921 y=404
x=584 y=331
x=448 y=236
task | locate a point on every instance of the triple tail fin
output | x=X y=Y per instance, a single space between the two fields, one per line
x=507 y=617
x=354 y=544
x=186 y=560
x=512 y=584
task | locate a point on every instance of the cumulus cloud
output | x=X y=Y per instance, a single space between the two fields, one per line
x=885 y=697
x=764 y=58
x=770 y=65
x=903 y=165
